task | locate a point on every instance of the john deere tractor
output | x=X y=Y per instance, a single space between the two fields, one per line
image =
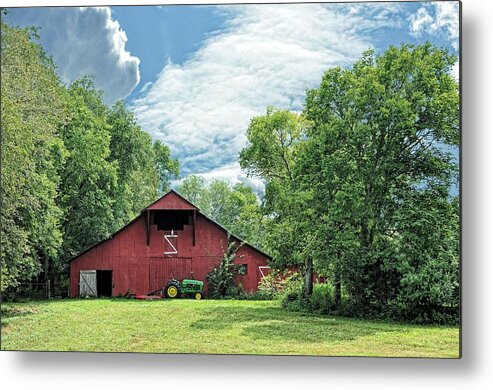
x=188 y=287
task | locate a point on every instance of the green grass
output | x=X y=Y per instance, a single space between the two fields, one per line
x=208 y=326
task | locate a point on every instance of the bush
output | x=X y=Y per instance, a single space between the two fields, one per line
x=322 y=299
x=291 y=295
x=221 y=280
x=276 y=282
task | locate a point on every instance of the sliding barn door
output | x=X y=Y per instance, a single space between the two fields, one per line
x=88 y=284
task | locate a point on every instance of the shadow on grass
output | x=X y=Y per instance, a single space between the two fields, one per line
x=278 y=324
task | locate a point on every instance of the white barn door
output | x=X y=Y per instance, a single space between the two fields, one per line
x=87 y=284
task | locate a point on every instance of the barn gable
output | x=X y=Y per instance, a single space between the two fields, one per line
x=172 y=201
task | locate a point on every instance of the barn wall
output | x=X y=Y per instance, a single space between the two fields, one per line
x=140 y=269
x=126 y=255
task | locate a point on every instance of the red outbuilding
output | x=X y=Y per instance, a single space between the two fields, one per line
x=171 y=238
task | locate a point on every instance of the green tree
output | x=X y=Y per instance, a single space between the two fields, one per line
x=221 y=279
x=381 y=141
x=193 y=188
x=89 y=179
x=275 y=140
x=145 y=168
x=167 y=168
x=234 y=207
x=32 y=109
x=73 y=170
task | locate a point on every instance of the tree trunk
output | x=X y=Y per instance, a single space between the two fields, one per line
x=308 y=278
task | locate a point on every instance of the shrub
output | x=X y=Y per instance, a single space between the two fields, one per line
x=291 y=295
x=221 y=280
x=276 y=282
x=322 y=299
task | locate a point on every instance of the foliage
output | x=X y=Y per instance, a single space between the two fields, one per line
x=145 y=168
x=234 y=207
x=32 y=109
x=89 y=180
x=291 y=296
x=322 y=299
x=167 y=168
x=360 y=189
x=194 y=189
x=379 y=165
x=275 y=141
x=221 y=279
x=73 y=169
x=276 y=282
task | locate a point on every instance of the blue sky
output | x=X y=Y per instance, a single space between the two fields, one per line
x=165 y=33
x=195 y=75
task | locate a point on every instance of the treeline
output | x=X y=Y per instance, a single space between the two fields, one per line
x=361 y=187
x=236 y=207
x=73 y=169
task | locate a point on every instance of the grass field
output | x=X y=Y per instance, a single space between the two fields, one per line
x=207 y=326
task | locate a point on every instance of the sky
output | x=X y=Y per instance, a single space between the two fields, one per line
x=195 y=74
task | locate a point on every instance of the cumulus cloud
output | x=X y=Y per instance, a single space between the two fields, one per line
x=441 y=17
x=85 y=41
x=266 y=55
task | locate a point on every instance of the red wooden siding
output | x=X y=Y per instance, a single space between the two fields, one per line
x=172 y=201
x=140 y=268
x=162 y=269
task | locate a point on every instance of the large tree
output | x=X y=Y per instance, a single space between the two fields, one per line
x=359 y=186
x=145 y=168
x=381 y=142
x=32 y=109
x=73 y=169
x=89 y=177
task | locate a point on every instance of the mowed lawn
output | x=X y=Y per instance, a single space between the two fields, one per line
x=208 y=326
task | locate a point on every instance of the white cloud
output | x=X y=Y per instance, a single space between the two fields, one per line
x=85 y=41
x=441 y=17
x=266 y=55
x=420 y=21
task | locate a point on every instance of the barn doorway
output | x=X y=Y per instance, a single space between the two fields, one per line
x=104 y=282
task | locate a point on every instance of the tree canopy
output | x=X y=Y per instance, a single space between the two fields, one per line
x=235 y=207
x=365 y=189
x=73 y=169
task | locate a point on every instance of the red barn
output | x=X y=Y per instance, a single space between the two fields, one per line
x=170 y=238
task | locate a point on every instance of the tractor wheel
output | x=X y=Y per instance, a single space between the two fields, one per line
x=172 y=290
x=197 y=296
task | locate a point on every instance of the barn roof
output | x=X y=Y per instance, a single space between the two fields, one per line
x=182 y=204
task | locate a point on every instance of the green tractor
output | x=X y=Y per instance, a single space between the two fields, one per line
x=188 y=287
